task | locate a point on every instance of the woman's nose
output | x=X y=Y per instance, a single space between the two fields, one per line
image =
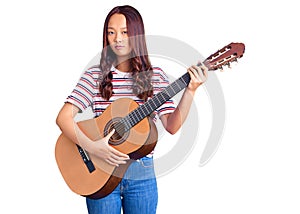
x=118 y=37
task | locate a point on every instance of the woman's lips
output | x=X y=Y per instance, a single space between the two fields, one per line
x=118 y=47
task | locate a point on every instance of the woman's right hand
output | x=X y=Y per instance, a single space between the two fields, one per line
x=99 y=148
x=104 y=151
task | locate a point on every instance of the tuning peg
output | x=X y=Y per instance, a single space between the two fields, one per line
x=228 y=64
x=221 y=68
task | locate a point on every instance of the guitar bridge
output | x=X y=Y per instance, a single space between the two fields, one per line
x=86 y=159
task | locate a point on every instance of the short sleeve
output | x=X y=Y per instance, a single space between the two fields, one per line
x=160 y=82
x=85 y=90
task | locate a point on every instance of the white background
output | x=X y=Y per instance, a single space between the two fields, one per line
x=45 y=45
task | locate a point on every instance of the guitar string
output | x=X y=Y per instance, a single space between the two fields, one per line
x=135 y=116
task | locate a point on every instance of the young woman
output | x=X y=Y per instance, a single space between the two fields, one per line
x=125 y=71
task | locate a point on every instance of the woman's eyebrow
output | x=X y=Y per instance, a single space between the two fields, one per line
x=109 y=27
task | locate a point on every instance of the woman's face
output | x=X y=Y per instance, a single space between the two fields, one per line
x=117 y=36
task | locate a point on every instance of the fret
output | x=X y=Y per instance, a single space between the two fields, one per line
x=177 y=84
x=134 y=116
x=126 y=122
x=175 y=87
x=140 y=115
x=131 y=123
x=169 y=91
x=148 y=108
x=152 y=104
x=144 y=109
x=162 y=96
x=185 y=78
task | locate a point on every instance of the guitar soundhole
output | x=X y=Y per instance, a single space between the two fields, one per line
x=120 y=134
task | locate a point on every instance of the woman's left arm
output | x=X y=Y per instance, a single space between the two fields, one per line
x=173 y=121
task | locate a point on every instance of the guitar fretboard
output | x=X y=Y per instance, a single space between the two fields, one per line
x=159 y=99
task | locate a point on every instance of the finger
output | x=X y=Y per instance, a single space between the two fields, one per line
x=205 y=72
x=117 y=160
x=110 y=134
x=113 y=150
x=202 y=71
x=197 y=74
x=200 y=63
x=201 y=68
x=197 y=70
x=204 y=68
x=193 y=71
x=119 y=154
x=195 y=78
x=111 y=162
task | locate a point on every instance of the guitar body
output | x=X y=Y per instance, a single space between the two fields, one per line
x=139 y=141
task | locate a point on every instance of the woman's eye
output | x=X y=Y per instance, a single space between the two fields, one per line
x=110 y=32
x=124 y=32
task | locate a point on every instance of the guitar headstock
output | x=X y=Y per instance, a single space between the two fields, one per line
x=226 y=55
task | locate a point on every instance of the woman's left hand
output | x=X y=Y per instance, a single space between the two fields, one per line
x=198 y=76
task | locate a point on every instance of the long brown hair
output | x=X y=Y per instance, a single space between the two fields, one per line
x=140 y=66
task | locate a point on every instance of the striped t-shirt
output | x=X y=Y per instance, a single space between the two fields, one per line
x=86 y=93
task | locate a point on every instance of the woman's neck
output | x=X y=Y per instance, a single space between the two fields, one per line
x=123 y=66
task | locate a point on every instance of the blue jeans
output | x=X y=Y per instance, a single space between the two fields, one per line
x=136 y=193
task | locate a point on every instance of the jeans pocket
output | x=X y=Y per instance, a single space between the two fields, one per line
x=146 y=162
x=141 y=169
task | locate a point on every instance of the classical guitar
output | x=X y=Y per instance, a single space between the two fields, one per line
x=135 y=134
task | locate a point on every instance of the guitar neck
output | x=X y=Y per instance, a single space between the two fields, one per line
x=215 y=61
x=152 y=104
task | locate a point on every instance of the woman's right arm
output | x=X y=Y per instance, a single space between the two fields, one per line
x=101 y=148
